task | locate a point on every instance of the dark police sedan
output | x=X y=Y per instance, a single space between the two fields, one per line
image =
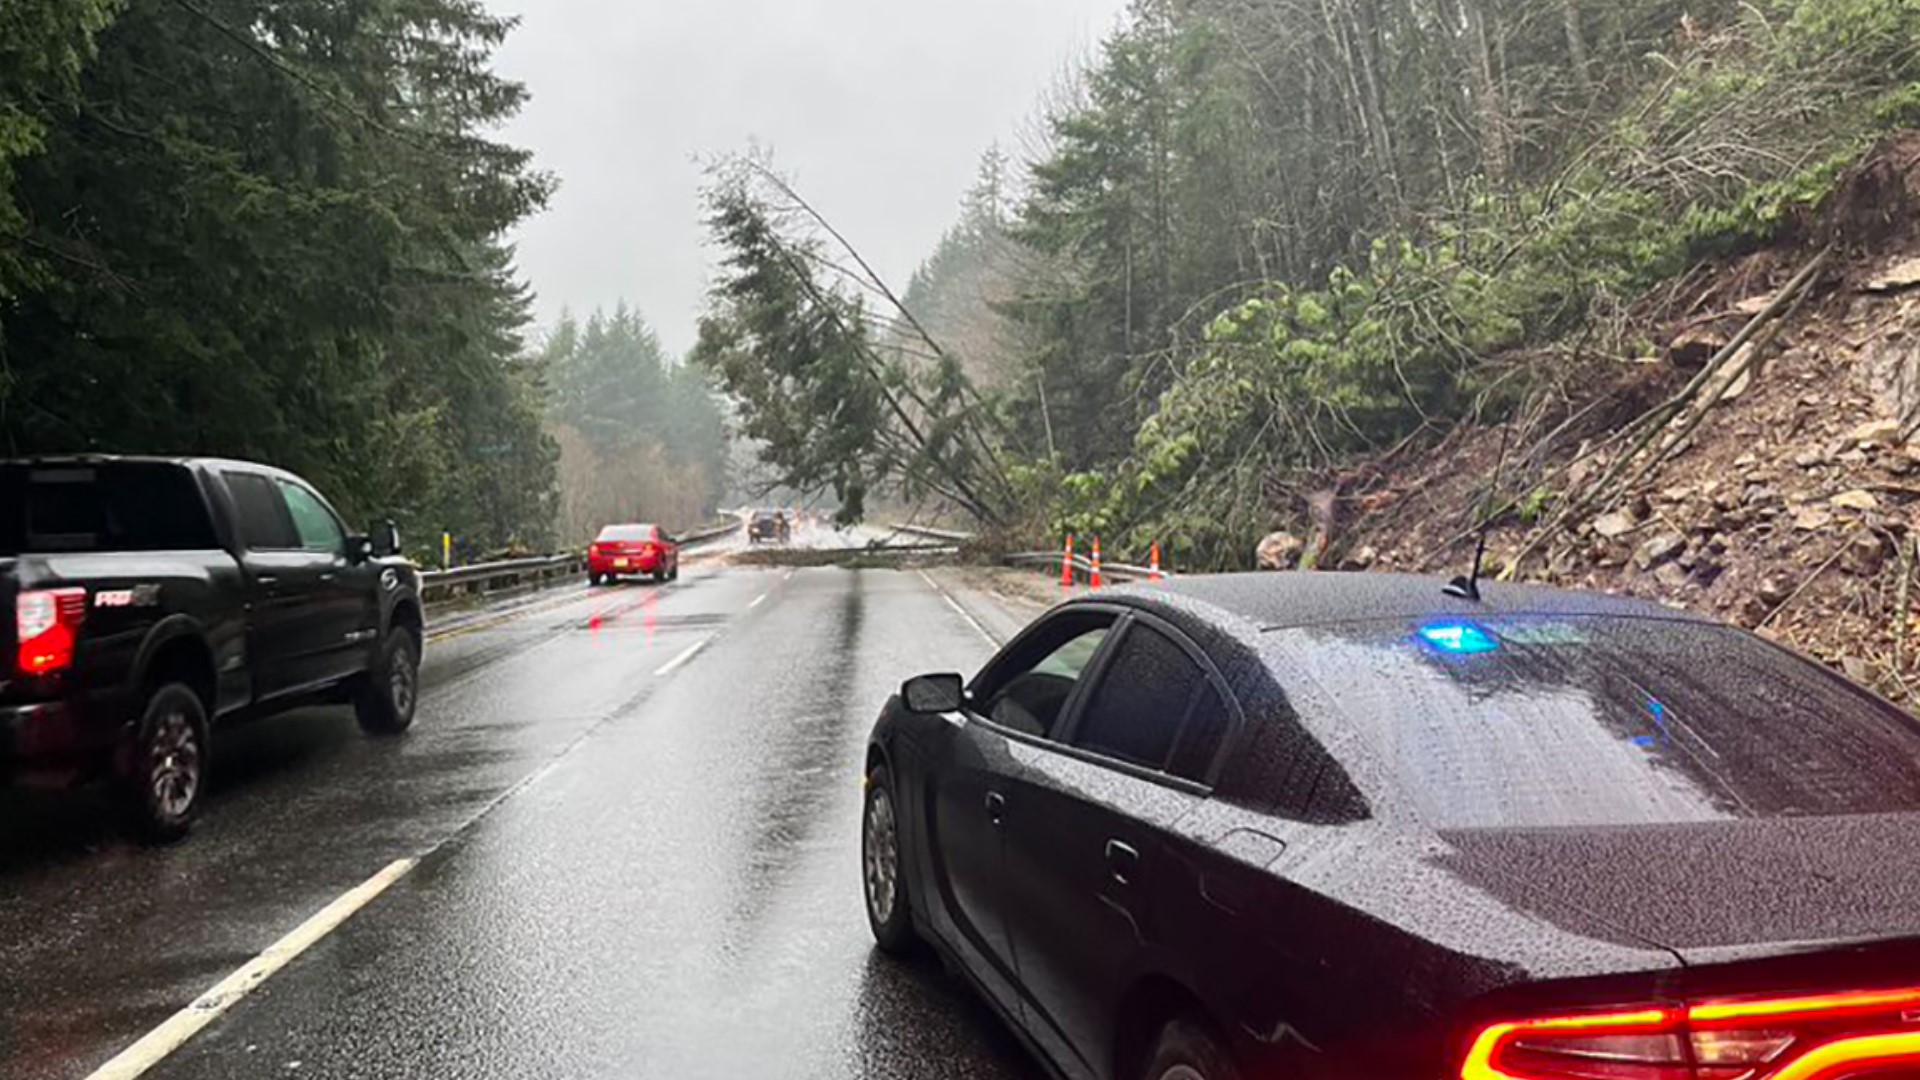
x=1352 y=828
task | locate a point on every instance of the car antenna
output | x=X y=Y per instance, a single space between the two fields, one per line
x=1468 y=587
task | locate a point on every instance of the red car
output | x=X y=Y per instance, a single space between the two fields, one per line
x=633 y=551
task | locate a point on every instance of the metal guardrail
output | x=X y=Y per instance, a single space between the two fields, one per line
x=441 y=586
x=702 y=536
x=1083 y=566
x=934 y=534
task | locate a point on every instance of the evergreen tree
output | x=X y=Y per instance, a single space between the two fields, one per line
x=273 y=229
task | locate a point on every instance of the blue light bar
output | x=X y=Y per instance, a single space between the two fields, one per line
x=1462 y=638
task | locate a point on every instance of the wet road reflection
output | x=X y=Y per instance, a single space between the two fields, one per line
x=674 y=891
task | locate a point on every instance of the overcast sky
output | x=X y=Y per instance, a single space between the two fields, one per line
x=880 y=108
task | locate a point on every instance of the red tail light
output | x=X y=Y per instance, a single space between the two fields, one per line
x=46 y=625
x=1821 y=1037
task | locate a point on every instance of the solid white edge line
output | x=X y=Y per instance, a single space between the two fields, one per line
x=154 y=1047
x=680 y=661
x=964 y=613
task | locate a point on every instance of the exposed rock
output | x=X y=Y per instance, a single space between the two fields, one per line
x=1760 y=495
x=1727 y=499
x=1809 y=459
x=1720 y=544
x=1904 y=274
x=1734 y=379
x=1671 y=576
x=1857 y=669
x=1362 y=558
x=1866 y=555
x=1812 y=519
x=1691 y=350
x=1891 y=365
x=1877 y=432
x=1856 y=500
x=1774 y=591
x=1659 y=551
x=1280 y=551
x=1853 y=457
x=1614 y=526
x=1745 y=461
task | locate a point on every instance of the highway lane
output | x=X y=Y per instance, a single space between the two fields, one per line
x=631 y=868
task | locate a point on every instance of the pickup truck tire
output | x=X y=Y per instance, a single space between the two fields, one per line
x=386 y=698
x=166 y=776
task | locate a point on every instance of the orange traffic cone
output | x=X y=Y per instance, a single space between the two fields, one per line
x=1066 y=565
x=1097 y=582
x=1153 y=562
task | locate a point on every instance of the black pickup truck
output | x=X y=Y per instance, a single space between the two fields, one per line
x=155 y=601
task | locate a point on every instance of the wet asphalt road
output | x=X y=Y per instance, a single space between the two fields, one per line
x=628 y=870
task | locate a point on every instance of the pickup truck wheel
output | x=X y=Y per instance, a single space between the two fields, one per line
x=167 y=767
x=386 y=700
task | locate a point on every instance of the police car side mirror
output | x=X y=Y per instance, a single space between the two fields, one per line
x=933 y=694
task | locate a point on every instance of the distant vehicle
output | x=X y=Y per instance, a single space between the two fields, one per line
x=156 y=601
x=769 y=527
x=1348 y=827
x=633 y=551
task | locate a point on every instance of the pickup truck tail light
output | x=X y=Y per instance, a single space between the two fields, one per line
x=1818 y=1037
x=46 y=625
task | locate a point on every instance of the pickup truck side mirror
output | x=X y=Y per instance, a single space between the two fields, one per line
x=359 y=549
x=385 y=540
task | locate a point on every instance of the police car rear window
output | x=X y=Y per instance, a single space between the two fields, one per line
x=1593 y=721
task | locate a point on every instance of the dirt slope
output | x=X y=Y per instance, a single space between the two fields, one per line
x=1793 y=508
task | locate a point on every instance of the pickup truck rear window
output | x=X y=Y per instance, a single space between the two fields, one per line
x=118 y=506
